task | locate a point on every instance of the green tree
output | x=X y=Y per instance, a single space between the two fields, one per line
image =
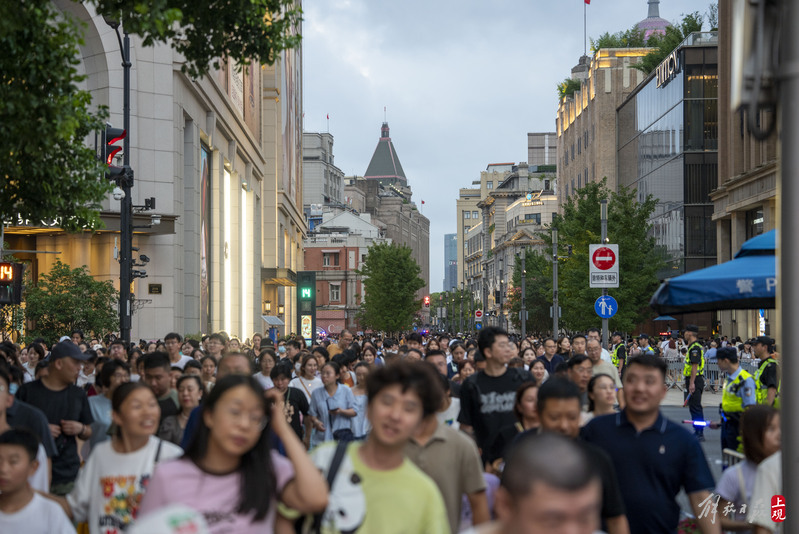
x=391 y=280
x=67 y=298
x=632 y=38
x=205 y=31
x=580 y=226
x=665 y=44
x=567 y=88
x=46 y=170
x=538 y=298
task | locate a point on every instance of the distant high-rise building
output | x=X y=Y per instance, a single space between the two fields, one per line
x=322 y=180
x=450 y=261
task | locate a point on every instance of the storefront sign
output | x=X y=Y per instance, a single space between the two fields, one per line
x=668 y=68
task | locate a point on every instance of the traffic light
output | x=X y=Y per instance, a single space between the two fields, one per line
x=426 y=301
x=10 y=283
x=306 y=304
x=112 y=136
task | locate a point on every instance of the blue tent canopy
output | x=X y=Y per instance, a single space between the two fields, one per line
x=747 y=282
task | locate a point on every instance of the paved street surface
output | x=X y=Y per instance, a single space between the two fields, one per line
x=673 y=409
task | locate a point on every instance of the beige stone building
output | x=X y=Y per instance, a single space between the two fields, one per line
x=745 y=201
x=586 y=120
x=222 y=156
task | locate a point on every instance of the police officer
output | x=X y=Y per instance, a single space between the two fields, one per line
x=693 y=373
x=766 y=379
x=618 y=352
x=739 y=394
x=643 y=344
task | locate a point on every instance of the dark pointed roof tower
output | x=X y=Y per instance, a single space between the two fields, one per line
x=385 y=165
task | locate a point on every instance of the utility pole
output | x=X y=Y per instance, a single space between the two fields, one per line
x=501 y=315
x=524 y=291
x=603 y=207
x=555 y=306
x=461 y=321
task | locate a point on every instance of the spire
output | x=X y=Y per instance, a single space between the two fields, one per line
x=385 y=165
x=654 y=9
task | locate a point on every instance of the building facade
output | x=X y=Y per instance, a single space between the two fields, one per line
x=542 y=148
x=222 y=157
x=336 y=250
x=586 y=120
x=323 y=182
x=450 y=262
x=745 y=198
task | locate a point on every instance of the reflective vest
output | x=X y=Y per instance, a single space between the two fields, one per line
x=614 y=355
x=730 y=401
x=762 y=391
x=700 y=369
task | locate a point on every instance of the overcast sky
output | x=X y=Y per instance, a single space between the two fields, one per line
x=463 y=82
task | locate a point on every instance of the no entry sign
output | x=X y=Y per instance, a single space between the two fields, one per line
x=478 y=314
x=603 y=270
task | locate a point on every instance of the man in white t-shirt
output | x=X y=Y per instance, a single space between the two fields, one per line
x=172 y=341
x=21 y=508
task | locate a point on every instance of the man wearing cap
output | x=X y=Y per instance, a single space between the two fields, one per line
x=766 y=379
x=643 y=344
x=618 y=352
x=67 y=410
x=738 y=394
x=693 y=372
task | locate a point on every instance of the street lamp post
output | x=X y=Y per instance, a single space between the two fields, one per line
x=126 y=203
x=554 y=282
x=523 y=313
x=461 y=318
x=501 y=315
x=603 y=213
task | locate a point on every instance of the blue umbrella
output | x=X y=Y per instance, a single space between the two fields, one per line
x=748 y=281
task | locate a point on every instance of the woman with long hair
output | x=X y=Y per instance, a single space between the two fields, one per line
x=564 y=347
x=110 y=486
x=524 y=407
x=332 y=408
x=539 y=372
x=761 y=437
x=360 y=423
x=229 y=474
x=113 y=374
x=601 y=396
x=267 y=359
x=307 y=381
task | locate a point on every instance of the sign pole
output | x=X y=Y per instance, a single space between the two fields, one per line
x=555 y=306
x=604 y=221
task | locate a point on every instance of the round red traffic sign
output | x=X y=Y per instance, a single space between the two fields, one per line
x=603 y=258
x=478 y=314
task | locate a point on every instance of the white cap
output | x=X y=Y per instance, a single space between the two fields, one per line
x=65 y=338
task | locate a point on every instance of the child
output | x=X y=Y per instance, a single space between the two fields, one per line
x=21 y=509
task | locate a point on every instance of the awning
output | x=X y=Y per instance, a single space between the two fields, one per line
x=272 y=320
x=747 y=282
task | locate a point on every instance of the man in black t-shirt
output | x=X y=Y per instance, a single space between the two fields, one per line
x=488 y=396
x=67 y=410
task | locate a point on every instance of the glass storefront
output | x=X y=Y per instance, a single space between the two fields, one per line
x=667 y=147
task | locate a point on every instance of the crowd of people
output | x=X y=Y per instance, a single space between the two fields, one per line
x=369 y=434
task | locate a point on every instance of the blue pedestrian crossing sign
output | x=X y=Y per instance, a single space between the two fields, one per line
x=478 y=326
x=606 y=307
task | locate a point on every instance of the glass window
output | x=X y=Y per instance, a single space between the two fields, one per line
x=330 y=259
x=754 y=222
x=475 y=215
x=467 y=214
x=335 y=292
x=489 y=185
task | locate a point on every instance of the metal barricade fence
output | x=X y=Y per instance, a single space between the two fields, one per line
x=730 y=457
x=674 y=377
x=714 y=377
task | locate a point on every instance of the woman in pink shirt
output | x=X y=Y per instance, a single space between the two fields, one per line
x=229 y=474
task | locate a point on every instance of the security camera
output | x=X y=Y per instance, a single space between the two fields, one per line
x=155 y=220
x=118 y=193
x=144 y=258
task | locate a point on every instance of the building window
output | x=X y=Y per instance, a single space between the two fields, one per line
x=335 y=292
x=489 y=185
x=467 y=215
x=547 y=184
x=754 y=222
x=475 y=215
x=330 y=259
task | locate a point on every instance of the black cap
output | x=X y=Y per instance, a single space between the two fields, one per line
x=765 y=340
x=643 y=335
x=617 y=334
x=692 y=328
x=67 y=349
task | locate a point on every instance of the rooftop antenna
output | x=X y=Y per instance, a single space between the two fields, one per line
x=384 y=114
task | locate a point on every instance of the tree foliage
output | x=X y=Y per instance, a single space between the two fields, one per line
x=47 y=173
x=391 y=280
x=580 y=226
x=665 y=44
x=204 y=31
x=567 y=87
x=632 y=38
x=65 y=299
x=538 y=294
